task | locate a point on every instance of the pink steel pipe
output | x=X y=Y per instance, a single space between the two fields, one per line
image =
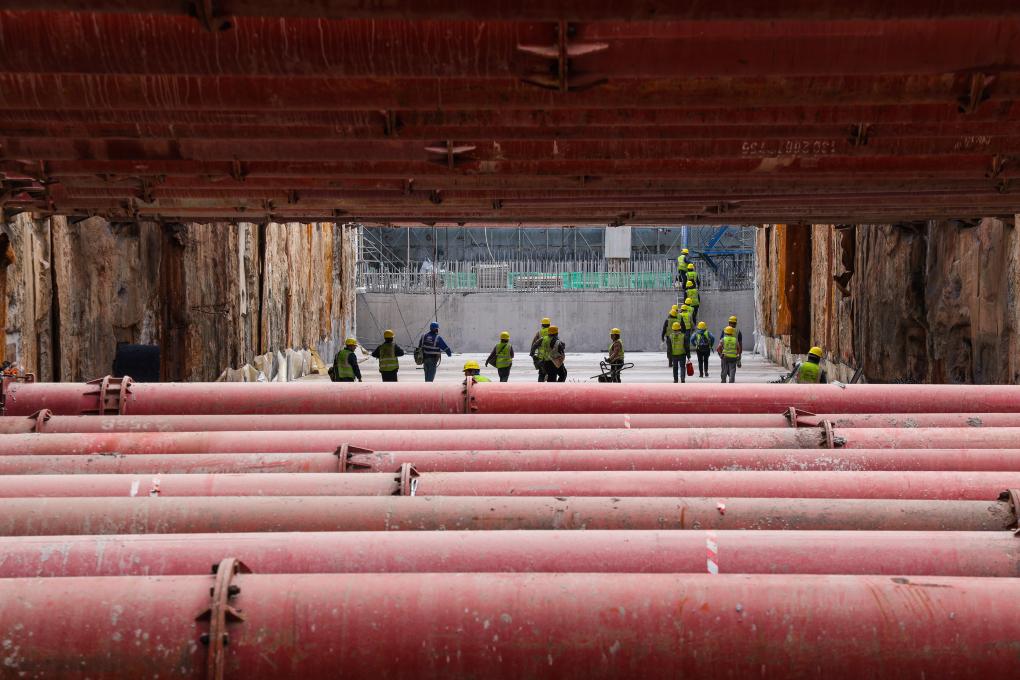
x=65 y=516
x=905 y=485
x=929 y=553
x=328 y=398
x=191 y=463
x=509 y=626
x=949 y=460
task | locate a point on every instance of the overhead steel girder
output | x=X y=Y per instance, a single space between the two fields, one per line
x=35 y=42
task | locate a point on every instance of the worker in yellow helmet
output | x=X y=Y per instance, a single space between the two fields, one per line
x=692 y=275
x=702 y=342
x=695 y=298
x=679 y=350
x=537 y=353
x=668 y=323
x=555 y=353
x=681 y=265
x=345 y=363
x=502 y=356
x=729 y=350
x=387 y=353
x=736 y=332
x=471 y=371
x=810 y=371
x=615 y=359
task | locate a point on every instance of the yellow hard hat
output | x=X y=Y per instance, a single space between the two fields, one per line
x=733 y=319
x=504 y=335
x=676 y=325
x=729 y=330
x=685 y=251
x=690 y=267
x=688 y=301
x=387 y=333
x=675 y=307
x=614 y=331
x=684 y=308
x=815 y=351
x=351 y=342
x=702 y=325
x=471 y=365
x=673 y=312
x=545 y=321
x=553 y=330
x=690 y=284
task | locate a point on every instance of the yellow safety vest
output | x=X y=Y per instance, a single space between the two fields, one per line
x=692 y=293
x=481 y=378
x=341 y=364
x=729 y=347
x=387 y=358
x=610 y=352
x=809 y=372
x=543 y=347
x=503 y=359
x=678 y=343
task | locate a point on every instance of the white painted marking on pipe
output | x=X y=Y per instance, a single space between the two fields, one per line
x=134 y=487
x=626 y=420
x=712 y=552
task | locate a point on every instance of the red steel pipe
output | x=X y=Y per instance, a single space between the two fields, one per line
x=331 y=398
x=70 y=516
x=409 y=440
x=758 y=484
x=564 y=626
x=487 y=421
x=378 y=421
x=192 y=463
x=949 y=460
x=293 y=484
x=929 y=553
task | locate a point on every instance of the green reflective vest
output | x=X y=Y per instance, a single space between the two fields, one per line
x=342 y=364
x=692 y=277
x=808 y=372
x=681 y=263
x=677 y=343
x=481 y=378
x=387 y=358
x=610 y=352
x=729 y=347
x=686 y=319
x=543 y=347
x=503 y=359
x=692 y=293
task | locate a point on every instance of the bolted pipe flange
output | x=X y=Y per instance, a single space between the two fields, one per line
x=40 y=418
x=1012 y=496
x=111 y=395
x=344 y=455
x=220 y=613
x=408 y=480
x=794 y=414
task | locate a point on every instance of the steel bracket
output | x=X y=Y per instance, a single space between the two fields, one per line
x=979 y=87
x=449 y=152
x=408 y=480
x=111 y=396
x=561 y=55
x=220 y=613
x=794 y=414
x=343 y=455
x=40 y=417
x=470 y=405
x=1012 y=496
x=831 y=440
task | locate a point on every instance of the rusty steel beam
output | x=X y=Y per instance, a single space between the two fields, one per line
x=190 y=463
x=549 y=10
x=251 y=93
x=23 y=399
x=520 y=460
x=75 y=43
x=105 y=516
x=496 y=626
x=927 y=553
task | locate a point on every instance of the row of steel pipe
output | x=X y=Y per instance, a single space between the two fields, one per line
x=47 y=422
x=26 y=398
x=495 y=440
x=354 y=460
x=747 y=484
x=512 y=625
x=232 y=514
x=928 y=553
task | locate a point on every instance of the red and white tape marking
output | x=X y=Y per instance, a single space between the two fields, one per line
x=712 y=551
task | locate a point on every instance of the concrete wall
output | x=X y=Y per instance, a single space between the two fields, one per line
x=471 y=322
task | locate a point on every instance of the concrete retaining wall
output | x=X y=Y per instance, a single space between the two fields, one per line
x=471 y=322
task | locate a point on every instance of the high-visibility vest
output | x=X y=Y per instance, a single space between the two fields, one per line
x=543 y=347
x=621 y=348
x=677 y=343
x=342 y=364
x=481 y=378
x=729 y=347
x=808 y=372
x=701 y=339
x=693 y=276
x=692 y=293
x=681 y=263
x=686 y=316
x=387 y=358
x=503 y=359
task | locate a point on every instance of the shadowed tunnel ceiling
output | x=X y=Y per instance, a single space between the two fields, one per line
x=498 y=112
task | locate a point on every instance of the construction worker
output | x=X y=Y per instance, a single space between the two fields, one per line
x=471 y=370
x=537 y=353
x=685 y=318
x=692 y=275
x=502 y=356
x=695 y=300
x=681 y=262
x=345 y=363
x=668 y=323
x=679 y=352
x=702 y=341
x=433 y=346
x=729 y=350
x=555 y=354
x=387 y=353
x=740 y=336
x=810 y=372
x=615 y=359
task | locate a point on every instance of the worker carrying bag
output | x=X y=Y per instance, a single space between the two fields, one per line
x=690 y=368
